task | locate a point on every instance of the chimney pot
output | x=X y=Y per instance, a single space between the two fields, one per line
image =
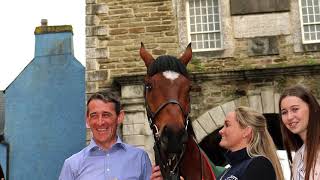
x=44 y=22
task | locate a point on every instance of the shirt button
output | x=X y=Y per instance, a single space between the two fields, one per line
x=107 y=154
x=108 y=169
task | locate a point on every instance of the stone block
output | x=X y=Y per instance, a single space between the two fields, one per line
x=207 y=123
x=218 y=115
x=263 y=46
x=89 y=9
x=137 y=30
x=118 y=31
x=163 y=8
x=127 y=119
x=258 y=6
x=134 y=107
x=91 y=87
x=92 y=20
x=267 y=97
x=158 y=52
x=97 y=75
x=147 y=128
x=101 y=9
x=152 y=19
x=90 y=53
x=159 y=28
x=89 y=31
x=136 y=140
x=91 y=1
x=119 y=11
x=149 y=140
x=127 y=129
x=100 y=31
x=276 y=102
x=101 y=53
x=132 y=91
x=139 y=129
x=172 y=39
x=255 y=103
x=135 y=118
x=91 y=42
x=228 y=107
x=261 y=25
x=199 y=131
x=88 y=134
x=91 y=64
x=242 y=101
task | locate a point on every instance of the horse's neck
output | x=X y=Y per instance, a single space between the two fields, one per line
x=194 y=165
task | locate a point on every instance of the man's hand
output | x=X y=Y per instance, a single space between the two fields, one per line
x=156 y=173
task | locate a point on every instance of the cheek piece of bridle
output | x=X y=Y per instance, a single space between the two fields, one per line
x=167 y=173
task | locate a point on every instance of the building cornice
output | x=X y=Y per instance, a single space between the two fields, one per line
x=248 y=74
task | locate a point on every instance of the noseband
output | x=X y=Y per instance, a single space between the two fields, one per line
x=164 y=166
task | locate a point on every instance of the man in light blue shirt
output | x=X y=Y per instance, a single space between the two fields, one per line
x=106 y=157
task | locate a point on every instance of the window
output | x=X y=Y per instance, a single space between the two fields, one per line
x=204 y=25
x=310 y=21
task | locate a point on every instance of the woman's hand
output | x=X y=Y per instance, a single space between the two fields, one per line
x=156 y=173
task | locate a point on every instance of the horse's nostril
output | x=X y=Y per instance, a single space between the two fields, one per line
x=165 y=139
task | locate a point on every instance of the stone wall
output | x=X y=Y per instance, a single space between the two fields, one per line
x=114 y=30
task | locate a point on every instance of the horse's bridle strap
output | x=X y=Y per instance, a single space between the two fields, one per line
x=170 y=101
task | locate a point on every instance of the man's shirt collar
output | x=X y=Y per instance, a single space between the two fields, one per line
x=92 y=147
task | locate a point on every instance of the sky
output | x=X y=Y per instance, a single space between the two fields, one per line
x=19 y=18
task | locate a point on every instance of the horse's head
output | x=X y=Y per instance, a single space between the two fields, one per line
x=167 y=87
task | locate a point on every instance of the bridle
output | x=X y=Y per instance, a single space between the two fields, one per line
x=165 y=166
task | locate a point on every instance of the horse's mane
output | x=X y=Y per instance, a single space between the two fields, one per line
x=167 y=63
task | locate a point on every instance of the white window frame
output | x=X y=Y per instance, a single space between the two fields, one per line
x=194 y=46
x=309 y=24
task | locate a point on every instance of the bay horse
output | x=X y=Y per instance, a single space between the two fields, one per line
x=166 y=92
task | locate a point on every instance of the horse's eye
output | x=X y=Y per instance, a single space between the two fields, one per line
x=148 y=87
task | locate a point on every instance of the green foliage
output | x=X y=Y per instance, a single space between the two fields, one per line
x=311 y=61
x=281 y=84
x=195 y=65
x=52 y=29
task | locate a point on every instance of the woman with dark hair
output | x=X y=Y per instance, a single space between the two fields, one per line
x=300 y=127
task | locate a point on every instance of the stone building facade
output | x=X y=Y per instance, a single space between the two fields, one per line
x=260 y=48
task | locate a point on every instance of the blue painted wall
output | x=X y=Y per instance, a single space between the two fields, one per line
x=1 y=112
x=45 y=110
x=3 y=157
x=3 y=145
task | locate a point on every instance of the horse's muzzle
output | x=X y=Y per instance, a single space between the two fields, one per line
x=173 y=142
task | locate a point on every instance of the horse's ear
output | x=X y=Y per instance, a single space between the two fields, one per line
x=187 y=55
x=146 y=56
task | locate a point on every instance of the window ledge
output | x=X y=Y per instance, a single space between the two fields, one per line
x=311 y=47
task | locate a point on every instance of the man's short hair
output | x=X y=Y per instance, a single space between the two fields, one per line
x=107 y=97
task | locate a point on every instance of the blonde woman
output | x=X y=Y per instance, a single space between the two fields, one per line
x=252 y=153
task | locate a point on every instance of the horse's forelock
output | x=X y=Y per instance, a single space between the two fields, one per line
x=167 y=63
